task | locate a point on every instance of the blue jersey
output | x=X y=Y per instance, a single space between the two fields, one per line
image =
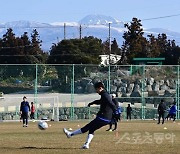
x=173 y=109
x=119 y=109
x=24 y=106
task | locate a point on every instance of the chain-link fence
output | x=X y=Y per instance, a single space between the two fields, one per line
x=62 y=92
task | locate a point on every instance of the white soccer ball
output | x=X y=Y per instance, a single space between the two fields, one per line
x=42 y=125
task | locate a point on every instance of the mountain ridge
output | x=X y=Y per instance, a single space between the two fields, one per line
x=91 y=25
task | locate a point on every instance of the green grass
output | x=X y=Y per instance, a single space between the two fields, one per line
x=16 y=139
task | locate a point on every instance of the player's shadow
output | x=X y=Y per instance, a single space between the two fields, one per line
x=37 y=148
x=45 y=148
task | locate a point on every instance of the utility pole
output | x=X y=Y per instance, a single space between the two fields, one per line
x=80 y=32
x=109 y=43
x=64 y=31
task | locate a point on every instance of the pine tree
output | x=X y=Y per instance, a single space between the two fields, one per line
x=9 y=50
x=26 y=43
x=153 y=47
x=172 y=54
x=163 y=43
x=115 y=48
x=38 y=55
x=36 y=43
x=106 y=50
x=134 y=41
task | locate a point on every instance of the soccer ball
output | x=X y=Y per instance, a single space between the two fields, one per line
x=42 y=125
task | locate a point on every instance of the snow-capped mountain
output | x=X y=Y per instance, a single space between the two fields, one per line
x=99 y=20
x=92 y=25
x=24 y=24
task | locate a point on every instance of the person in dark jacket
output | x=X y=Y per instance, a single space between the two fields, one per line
x=24 y=110
x=128 y=111
x=114 y=120
x=104 y=116
x=161 y=111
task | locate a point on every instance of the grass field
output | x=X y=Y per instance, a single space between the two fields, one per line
x=135 y=137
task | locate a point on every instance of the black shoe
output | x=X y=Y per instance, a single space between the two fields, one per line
x=108 y=129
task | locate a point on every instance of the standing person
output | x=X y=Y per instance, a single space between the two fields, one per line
x=114 y=120
x=128 y=110
x=24 y=110
x=104 y=116
x=172 y=112
x=161 y=111
x=32 y=110
x=168 y=116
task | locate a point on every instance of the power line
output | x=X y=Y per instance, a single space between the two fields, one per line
x=39 y=26
x=168 y=16
x=19 y=55
x=56 y=55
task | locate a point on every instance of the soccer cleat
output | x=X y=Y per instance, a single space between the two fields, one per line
x=110 y=130
x=85 y=146
x=68 y=133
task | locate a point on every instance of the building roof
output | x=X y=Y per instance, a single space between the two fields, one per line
x=148 y=59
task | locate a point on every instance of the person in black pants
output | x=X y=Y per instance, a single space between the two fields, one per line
x=32 y=110
x=104 y=116
x=129 y=110
x=114 y=120
x=24 y=110
x=161 y=111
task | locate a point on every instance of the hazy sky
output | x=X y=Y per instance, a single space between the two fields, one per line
x=49 y=11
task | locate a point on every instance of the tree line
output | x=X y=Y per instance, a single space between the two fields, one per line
x=27 y=50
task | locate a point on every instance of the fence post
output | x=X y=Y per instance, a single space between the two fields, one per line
x=142 y=94
x=109 y=79
x=72 y=94
x=178 y=114
x=35 y=89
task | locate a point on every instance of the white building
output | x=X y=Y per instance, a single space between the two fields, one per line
x=113 y=59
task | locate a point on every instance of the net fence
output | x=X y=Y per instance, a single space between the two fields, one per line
x=62 y=92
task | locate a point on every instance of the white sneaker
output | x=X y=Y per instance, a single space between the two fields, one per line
x=68 y=133
x=85 y=146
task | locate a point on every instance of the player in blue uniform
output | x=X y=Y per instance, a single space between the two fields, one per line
x=172 y=112
x=24 y=110
x=104 y=116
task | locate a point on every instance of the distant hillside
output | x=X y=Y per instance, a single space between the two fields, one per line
x=92 y=25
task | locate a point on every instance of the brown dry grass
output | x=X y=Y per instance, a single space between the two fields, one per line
x=18 y=140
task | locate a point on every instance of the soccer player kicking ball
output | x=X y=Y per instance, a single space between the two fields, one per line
x=104 y=116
